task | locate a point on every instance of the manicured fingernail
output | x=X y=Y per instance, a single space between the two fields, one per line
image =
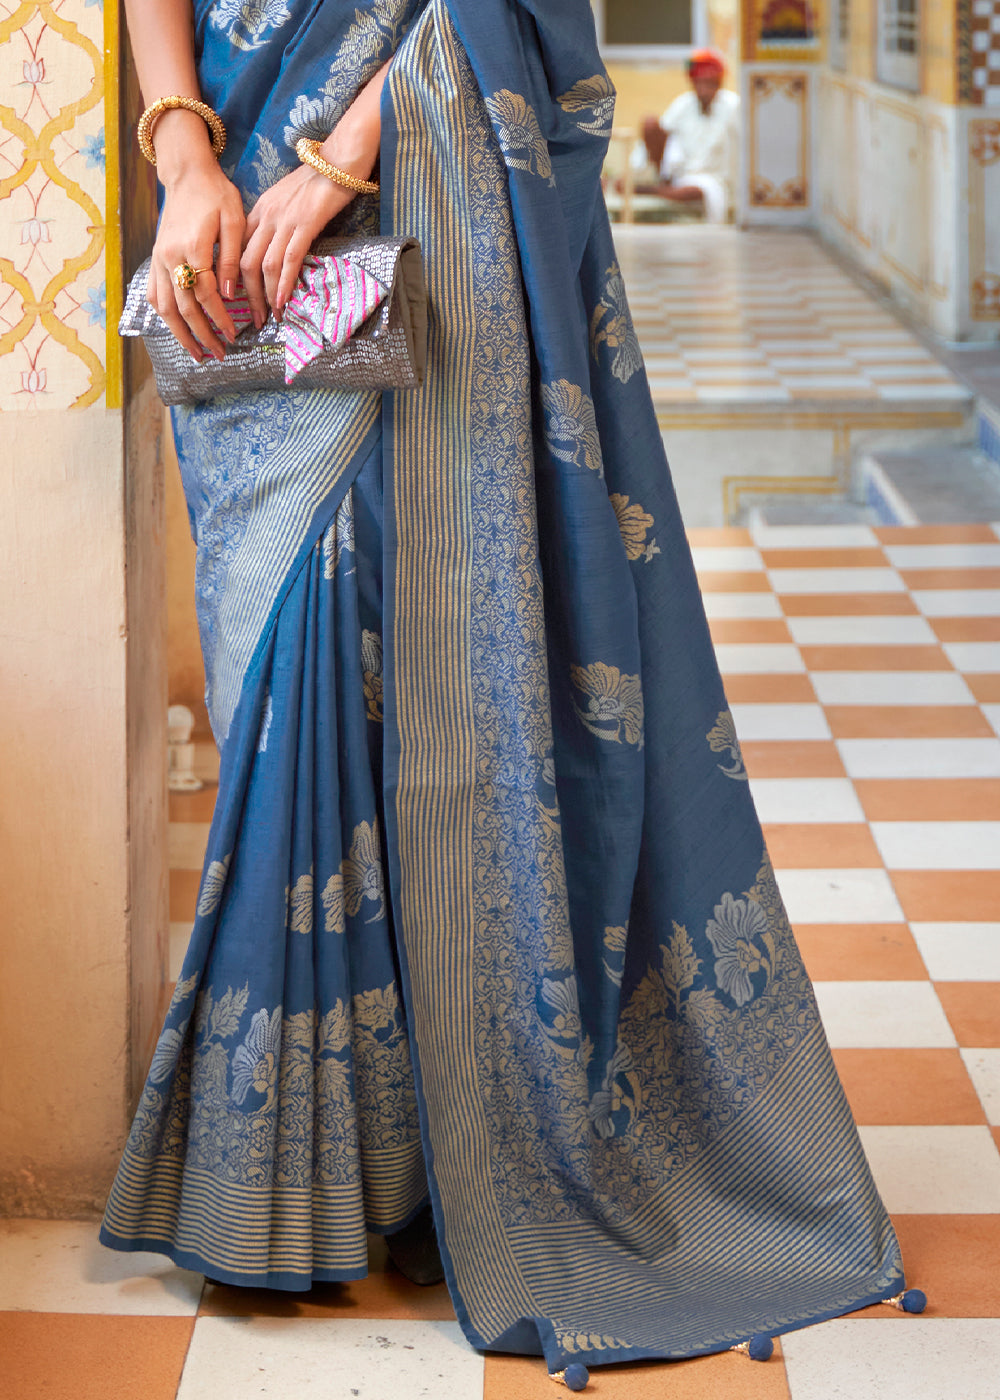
x=228 y=290
x=197 y=358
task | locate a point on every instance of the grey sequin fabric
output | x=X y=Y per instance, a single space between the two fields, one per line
x=388 y=351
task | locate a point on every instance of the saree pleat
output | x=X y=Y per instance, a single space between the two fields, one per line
x=487 y=914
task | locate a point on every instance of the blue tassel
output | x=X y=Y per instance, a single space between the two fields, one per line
x=574 y=1377
x=914 y=1300
x=760 y=1347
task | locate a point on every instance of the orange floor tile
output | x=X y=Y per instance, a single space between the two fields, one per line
x=860 y=952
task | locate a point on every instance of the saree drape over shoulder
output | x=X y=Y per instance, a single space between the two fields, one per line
x=486 y=915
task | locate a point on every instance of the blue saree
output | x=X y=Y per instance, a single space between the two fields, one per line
x=486 y=916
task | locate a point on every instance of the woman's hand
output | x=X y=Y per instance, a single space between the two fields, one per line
x=280 y=229
x=201 y=209
x=290 y=216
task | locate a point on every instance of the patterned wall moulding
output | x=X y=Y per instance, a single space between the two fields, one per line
x=984 y=56
x=779 y=141
x=53 y=295
x=984 y=219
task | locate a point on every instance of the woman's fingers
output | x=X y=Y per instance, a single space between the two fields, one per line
x=271 y=266
x=227 y=269
x=166 y=305
x=207 y=294
x=253 y=279
x=295 y=250
x=198 y=323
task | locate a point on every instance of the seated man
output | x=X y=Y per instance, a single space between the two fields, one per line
x=693 y=145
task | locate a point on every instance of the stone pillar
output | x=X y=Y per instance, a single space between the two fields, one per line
x=82 y=628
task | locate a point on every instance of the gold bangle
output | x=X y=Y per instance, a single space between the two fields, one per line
x=308 y=153
x=211 y=119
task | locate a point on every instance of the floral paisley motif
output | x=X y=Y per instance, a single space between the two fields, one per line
x=614 y=708
x=255 y=1061
x=620 y=1092
x=722 y=738
x=731 y=932
x=595 y=95
x=247 y=21
x=213 y=885
x=611 y=325
x=362 y=871
x=267 y=164
x=333 y=904
x=266 y=719
x=338 y=539
x=365 y=45
x=634 y=524
x=570 y=418
x=615 y=941
x=371 y=662
x=299 y=902
x=519 y=135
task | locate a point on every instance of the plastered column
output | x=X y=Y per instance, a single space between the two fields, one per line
x=82 y=629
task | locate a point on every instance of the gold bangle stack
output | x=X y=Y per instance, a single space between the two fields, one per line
x=211 y=119
x=308 y=153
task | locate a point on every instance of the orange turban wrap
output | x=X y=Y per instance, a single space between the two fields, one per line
x=705 y=61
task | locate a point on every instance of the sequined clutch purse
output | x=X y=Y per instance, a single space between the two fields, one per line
x=356 y=320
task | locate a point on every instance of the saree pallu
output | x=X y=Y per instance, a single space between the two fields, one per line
x=486 y=914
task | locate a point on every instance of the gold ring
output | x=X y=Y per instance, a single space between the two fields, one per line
x=185 y=275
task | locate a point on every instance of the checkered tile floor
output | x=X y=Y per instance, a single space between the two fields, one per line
x=863 y=668
x=732 y=317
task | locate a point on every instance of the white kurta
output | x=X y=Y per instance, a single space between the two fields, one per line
x=701 y=149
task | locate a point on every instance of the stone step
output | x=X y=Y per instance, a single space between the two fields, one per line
x=928 y=486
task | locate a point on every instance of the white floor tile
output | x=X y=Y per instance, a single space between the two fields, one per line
x=951 y=391
x=992 y=713
x=180 y=937
x=975 y=658
x=718 y=393
x=806 y=800
x=957 y=602
x=944 y=556
x=186 y=843
x=60 y=1266
x=921 y=845
x=233 y=1358
x=741 y=605
x=861 y=631
x=722 y=558
x=805 y=382
x=873 y=1015
x=926 y=1358
x=935 y=1170
x=780 y=721
x=813 y=536
x=863 y=580
x=960 y=952
x=921 y=758
x=901 y=353
x=839 y=896
x=764 y=658
x=891 y=688
x=984 y=1071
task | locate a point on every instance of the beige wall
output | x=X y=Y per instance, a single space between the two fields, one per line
x=82 y=633
x=66 y=1040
